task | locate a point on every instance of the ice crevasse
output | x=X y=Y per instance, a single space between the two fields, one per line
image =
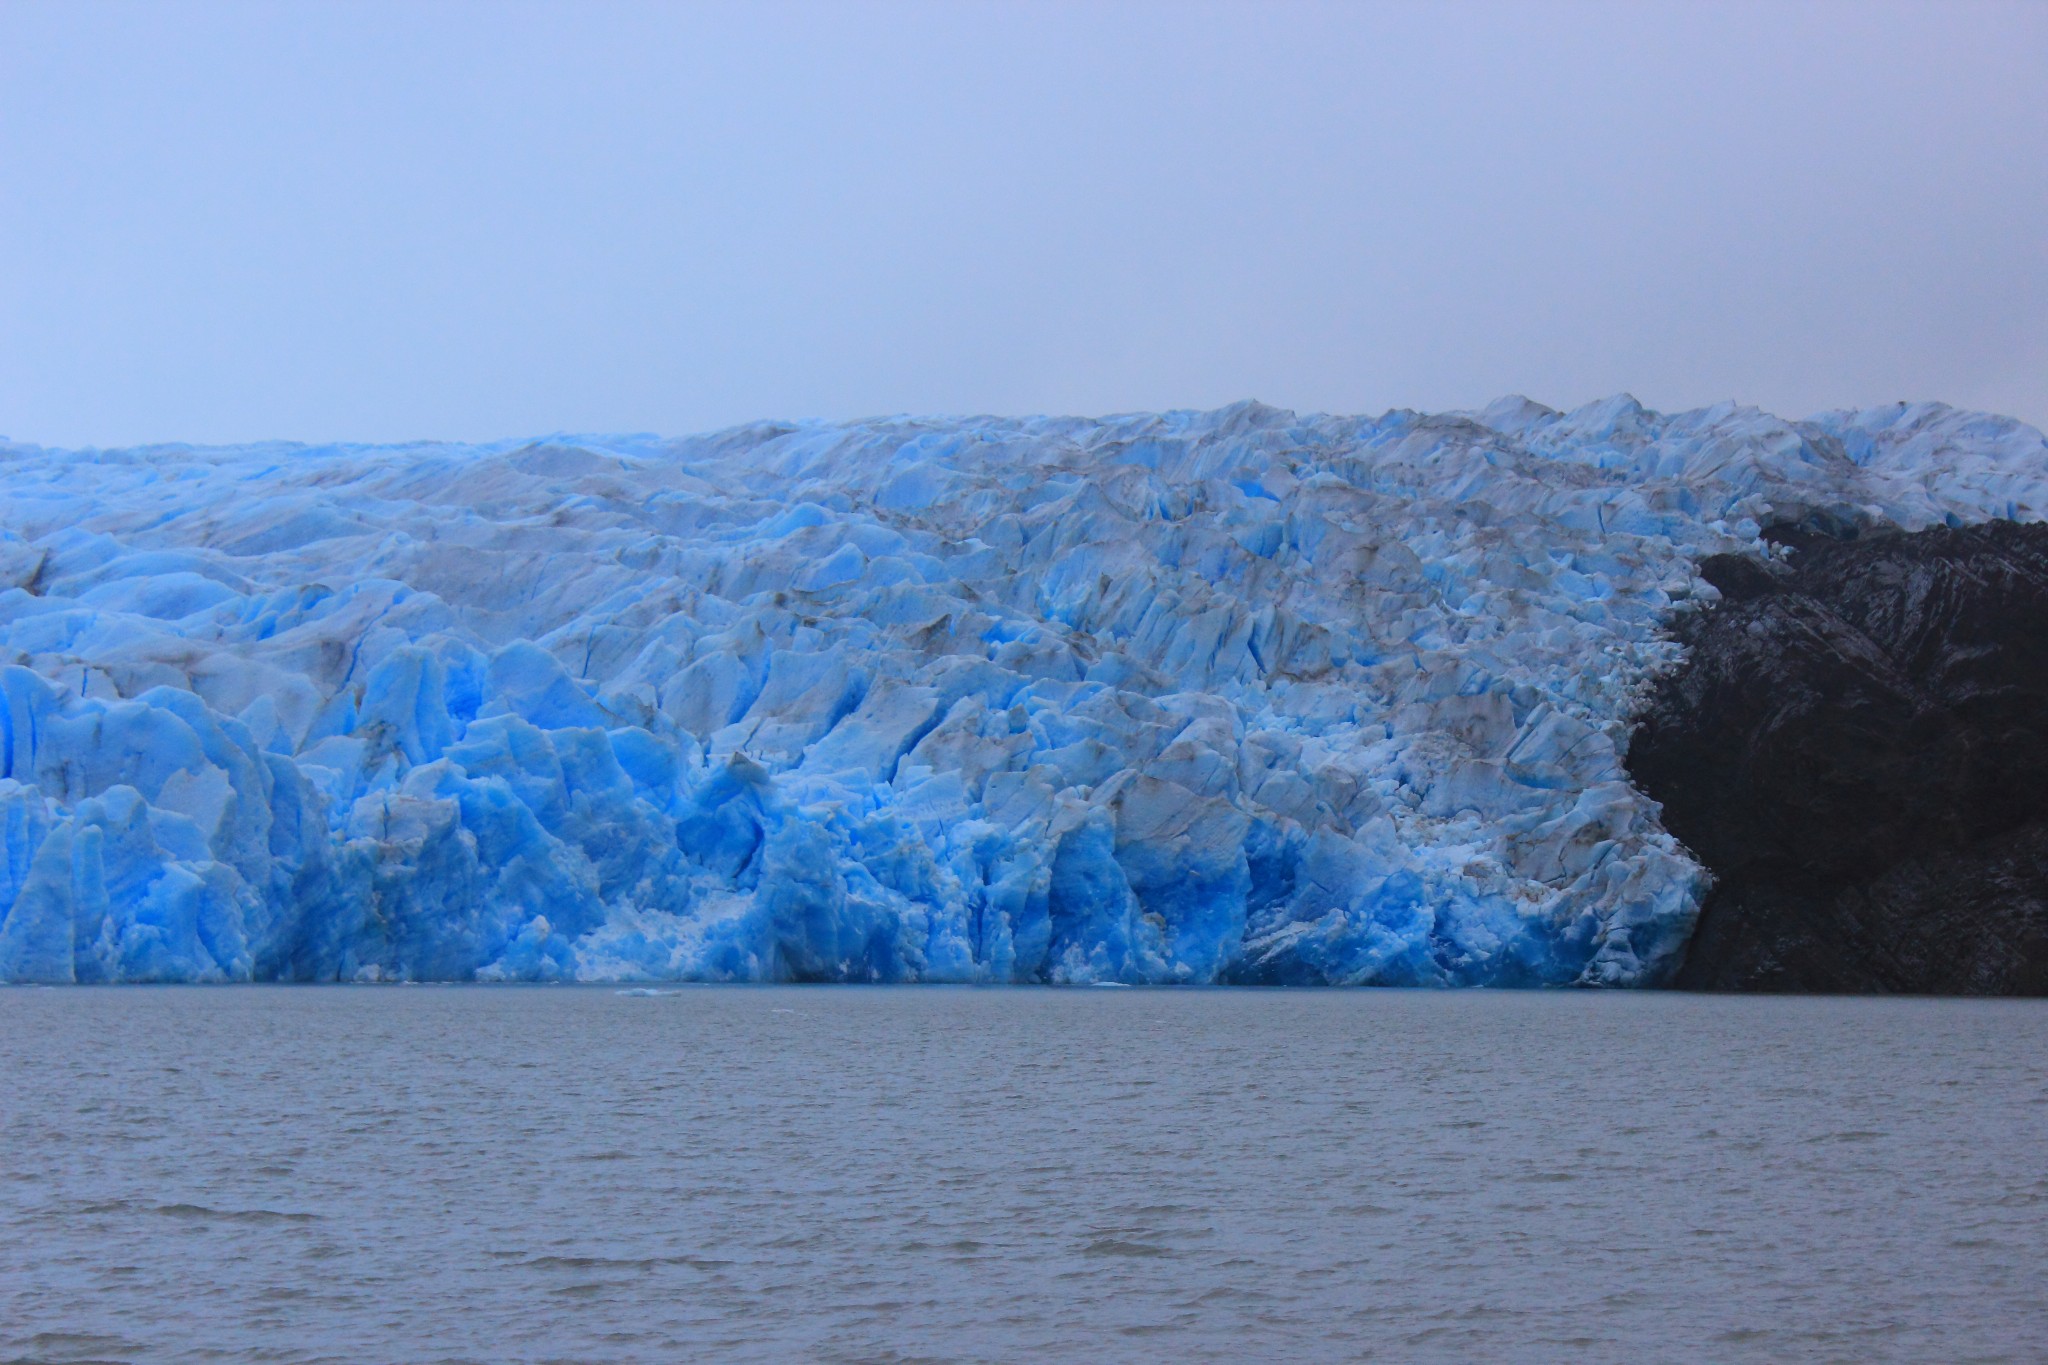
x=1230 y=696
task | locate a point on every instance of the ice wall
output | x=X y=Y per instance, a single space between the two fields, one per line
x=1224 y=696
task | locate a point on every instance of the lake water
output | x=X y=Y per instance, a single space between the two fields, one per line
x=490 y=1174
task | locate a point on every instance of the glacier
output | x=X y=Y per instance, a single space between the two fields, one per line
x=1230 y=696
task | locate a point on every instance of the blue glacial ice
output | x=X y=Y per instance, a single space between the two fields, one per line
x=1192 y=697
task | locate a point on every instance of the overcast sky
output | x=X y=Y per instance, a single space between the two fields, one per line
x=370 y=221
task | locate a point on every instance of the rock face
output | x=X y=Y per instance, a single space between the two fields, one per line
x=1857 y=748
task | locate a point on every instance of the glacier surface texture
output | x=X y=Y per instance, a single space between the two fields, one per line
x=1193 y=697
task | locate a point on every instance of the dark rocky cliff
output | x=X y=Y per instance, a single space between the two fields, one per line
x=1857 y=748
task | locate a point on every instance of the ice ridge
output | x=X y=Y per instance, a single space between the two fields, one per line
x=1189 y=697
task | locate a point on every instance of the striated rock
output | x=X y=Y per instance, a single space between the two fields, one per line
x=1857 y=748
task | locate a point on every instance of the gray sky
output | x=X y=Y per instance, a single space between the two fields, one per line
x=382 y=221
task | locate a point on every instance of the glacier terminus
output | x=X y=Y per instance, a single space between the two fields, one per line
x=1231 y=696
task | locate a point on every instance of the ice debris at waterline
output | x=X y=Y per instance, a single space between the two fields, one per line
x=1225 y=696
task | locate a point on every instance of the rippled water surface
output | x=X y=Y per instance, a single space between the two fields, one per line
x=473 y=1173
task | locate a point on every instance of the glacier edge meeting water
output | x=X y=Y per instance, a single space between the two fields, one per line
x=1235 y=696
